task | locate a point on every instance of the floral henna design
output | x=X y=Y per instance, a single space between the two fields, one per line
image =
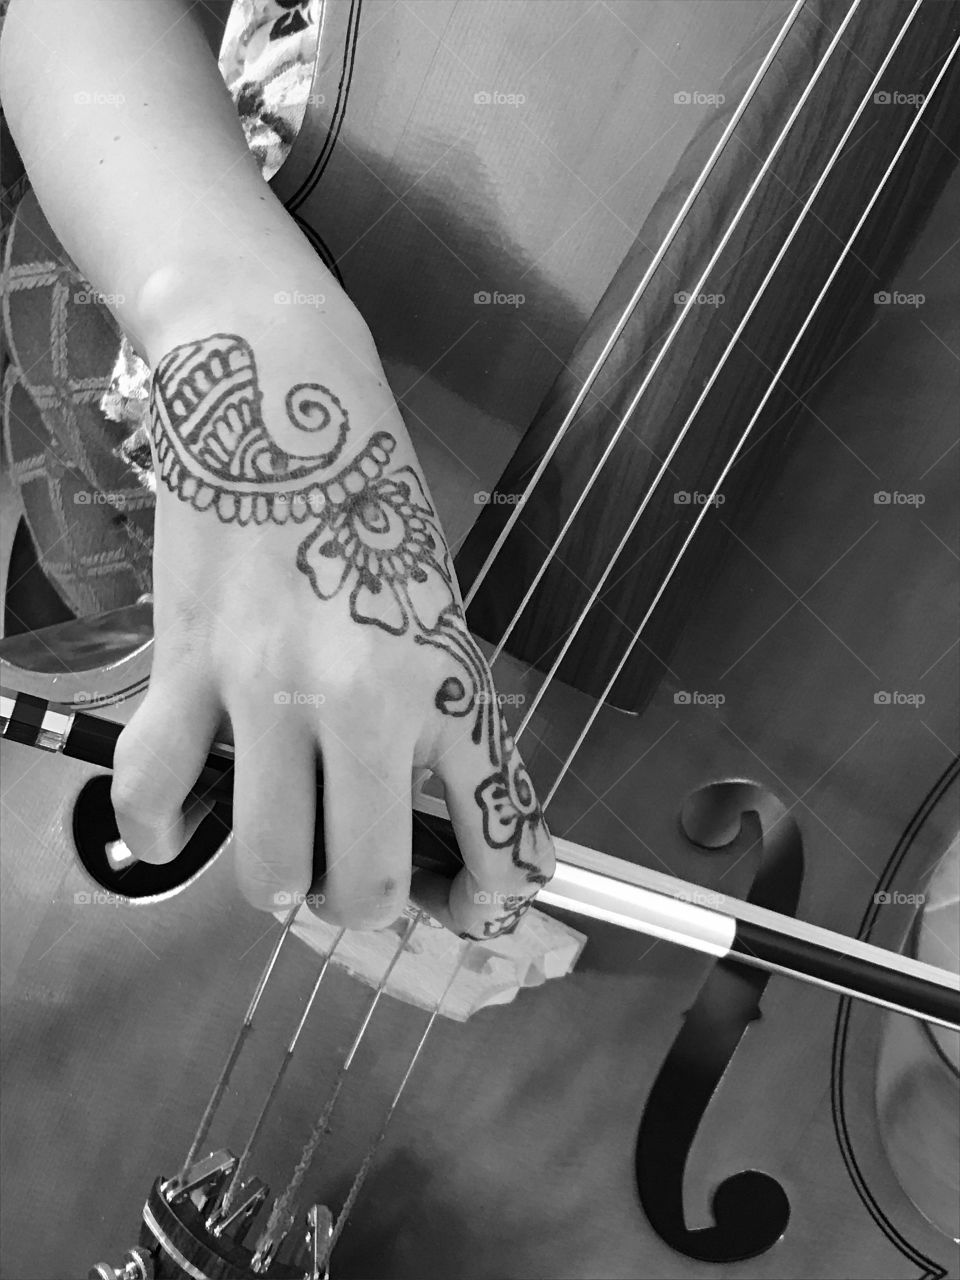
x=377 y=535
x=500 y=926
x=512 y=817
x=384 y=541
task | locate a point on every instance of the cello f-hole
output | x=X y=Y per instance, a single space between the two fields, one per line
x=750 y=1209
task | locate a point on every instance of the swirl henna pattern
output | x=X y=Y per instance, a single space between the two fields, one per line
x=377 y=535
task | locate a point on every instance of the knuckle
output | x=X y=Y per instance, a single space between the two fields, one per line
x=364 y=703
x=375 y=745
x=183 y=643
x=365 y=680
x=376 y=909
x=265 y=868
x=546 y=860
x=347 y=660
x=258 y=659
x=494 y=904
x=183 y=656
x=190 y=619
x=186 y=620
x=139 y=789
x=268 y=897
x=271 y=888
x=123 y=793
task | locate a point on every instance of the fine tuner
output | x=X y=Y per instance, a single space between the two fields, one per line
x=199 y=1223
x=183 y=1232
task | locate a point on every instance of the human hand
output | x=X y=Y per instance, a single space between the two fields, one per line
x=305 y=596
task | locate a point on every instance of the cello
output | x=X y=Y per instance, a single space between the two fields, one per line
x=594 y=1128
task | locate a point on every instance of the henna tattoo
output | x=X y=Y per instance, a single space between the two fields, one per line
x=512 y=817
x=506 y=923
x=377 y=534
x=384 y=541
x=213 y=446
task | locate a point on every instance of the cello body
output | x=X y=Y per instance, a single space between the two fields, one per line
x=649 y=1115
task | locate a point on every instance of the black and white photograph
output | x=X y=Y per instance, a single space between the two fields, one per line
x=480 y=639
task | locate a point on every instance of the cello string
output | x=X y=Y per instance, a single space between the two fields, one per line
x=281 y=1215
x=750 y=425
x=366 y=1164
x=234 y=1183
x=734 y=339
x=638 y=293
x=675 y=329
x=241 y=1038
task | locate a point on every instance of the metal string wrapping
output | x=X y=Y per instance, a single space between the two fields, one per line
x=236 y=1178
x=366 y=1164
x=245 y=1028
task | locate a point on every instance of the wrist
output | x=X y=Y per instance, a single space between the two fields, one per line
x=290 y=298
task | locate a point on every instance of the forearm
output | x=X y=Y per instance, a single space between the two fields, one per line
x=136 y=153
